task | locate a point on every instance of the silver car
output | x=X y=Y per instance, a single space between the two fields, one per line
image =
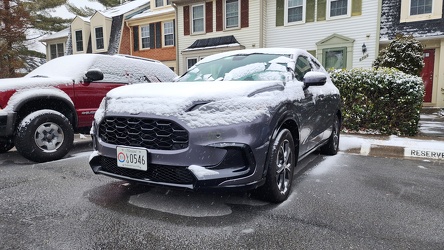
x=239 y=119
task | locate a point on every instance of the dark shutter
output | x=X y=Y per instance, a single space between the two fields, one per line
x=244 y=13
x=280 y=12
x=356 y=7
x=136 y=37
x=174 y=32
x=186 y=20
x=219 y=16
x=310 y=11
x=209 y=17
x=158 y=35
x=322 y=10
x=152 y=36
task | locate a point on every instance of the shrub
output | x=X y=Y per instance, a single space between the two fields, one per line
x=404 y=53
x=384 y=100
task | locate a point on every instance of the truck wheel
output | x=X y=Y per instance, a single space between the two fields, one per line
x=5 y=145
x=281 y=164
x=44 y=135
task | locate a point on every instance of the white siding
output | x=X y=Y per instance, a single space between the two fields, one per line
x=363 y=29
x=248 y=37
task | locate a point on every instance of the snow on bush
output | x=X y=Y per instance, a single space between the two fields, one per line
x=384 y=100
x=404 y=53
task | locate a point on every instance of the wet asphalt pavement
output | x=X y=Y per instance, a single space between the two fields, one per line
x=345 y=201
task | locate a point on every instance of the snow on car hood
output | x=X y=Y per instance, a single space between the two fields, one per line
x=224 y=103
x=39 y=82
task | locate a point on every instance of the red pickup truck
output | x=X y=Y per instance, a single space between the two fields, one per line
x=40 y=112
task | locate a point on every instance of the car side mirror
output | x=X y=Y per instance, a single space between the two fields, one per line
x=92 y=75
x=314 y=79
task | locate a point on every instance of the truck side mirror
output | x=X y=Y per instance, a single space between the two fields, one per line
x=92 y=75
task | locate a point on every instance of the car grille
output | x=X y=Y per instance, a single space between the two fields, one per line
x=147 y=133
x=156 y=173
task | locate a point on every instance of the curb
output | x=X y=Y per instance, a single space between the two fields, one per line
x=82 y=139
x=427 y=148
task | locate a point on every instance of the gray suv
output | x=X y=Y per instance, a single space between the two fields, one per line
x=239 y=119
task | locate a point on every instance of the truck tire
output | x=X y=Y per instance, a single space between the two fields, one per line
x=44 y=135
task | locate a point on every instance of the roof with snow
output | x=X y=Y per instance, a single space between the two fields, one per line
x=124 y=8
x=151 y=13
x=61 y=34
x=390 y=23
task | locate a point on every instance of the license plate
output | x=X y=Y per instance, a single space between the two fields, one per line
x=134 y=158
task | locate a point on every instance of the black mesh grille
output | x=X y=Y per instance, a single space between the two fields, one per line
x=157 y=173
x=147 y=133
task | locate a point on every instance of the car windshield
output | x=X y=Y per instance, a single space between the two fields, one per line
x=240 y=67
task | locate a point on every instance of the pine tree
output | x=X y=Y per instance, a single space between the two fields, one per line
x=404 y=53
x=17 y=19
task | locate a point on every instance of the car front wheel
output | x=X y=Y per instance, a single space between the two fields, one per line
x=44 y=135
x=281 y=164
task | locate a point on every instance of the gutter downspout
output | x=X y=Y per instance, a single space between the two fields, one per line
x=130 y=38
x=176 y=37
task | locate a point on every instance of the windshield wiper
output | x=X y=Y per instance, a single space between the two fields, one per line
x=39 y=76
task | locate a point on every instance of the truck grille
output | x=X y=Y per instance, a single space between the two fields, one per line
x=156 y=173
x=147 y=133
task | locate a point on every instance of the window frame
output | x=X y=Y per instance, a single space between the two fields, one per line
x=344 y=56
x=141 y=27
x=77 y=41
x=328 y=14
x=97 y=38
x=188 y=61
x=165 y=34
x=238 y=15
x=406 y=16
x=192 y=18
x=304 y=10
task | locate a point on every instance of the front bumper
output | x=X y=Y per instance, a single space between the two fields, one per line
x=7 y=120
x=216 y=158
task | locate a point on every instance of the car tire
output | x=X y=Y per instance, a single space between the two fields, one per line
x=6 y=145
x=281 y=163
x=44 y=135
x=332 y=146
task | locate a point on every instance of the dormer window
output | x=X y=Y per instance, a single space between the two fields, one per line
x=160 y=3
x=79 y=41
x=420 y=10
x=419 y=7
x=99 y=38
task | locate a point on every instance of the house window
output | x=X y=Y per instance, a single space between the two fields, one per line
x=168 y=33
x=159 y=3
x=99 y=38
x=232 y=13
x=198 y=18
x=191 y=62
x=79 y=41
x=419 y=7
x=336 y=8
x=335 y=58
x=145 y=36
x=295 y=11
x=56 y=50
x=420 y=10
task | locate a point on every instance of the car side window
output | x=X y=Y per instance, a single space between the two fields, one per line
x=302 y=67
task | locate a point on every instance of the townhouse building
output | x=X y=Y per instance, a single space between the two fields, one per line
x=101 y=33
x=424 y=21
x=209 y=27
x=339 y=33
x=152 y=34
